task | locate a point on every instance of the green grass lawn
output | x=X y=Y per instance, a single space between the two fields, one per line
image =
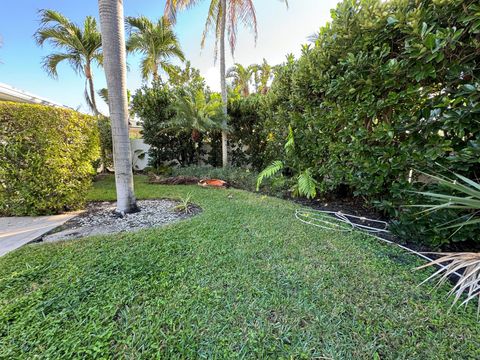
x=242 y=279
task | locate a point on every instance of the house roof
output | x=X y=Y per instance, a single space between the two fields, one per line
x=9 y=93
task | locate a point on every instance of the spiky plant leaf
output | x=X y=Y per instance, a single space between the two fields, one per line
x=307 y=186
x=467 y=198
x=466 y=265
x=269 y=171
x=469 y=280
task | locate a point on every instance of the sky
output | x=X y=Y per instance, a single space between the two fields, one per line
x=280 y=31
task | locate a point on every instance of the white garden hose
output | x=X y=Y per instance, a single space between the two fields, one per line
x=338 y=221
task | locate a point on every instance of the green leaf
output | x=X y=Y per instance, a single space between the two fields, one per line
x=269 y=171
x=307 y=186
x=391 y=20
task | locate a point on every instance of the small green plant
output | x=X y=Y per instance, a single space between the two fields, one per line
x=185 y=205
x=270 y=171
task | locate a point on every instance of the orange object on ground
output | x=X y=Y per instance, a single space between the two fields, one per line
x=213 y=183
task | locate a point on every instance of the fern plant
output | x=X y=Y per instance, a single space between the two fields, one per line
x=306 y=185
x=269 y=172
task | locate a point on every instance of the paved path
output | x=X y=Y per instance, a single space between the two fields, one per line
x=18 y=231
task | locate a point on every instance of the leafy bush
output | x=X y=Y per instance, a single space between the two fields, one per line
x=46 y=157
x=247 y=129
x=154 y=106
x=387 y=87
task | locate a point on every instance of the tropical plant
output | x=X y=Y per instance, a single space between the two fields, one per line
x=153 y=105
x=195 y=113
x=187 y=76
x=81 y=48
x=464 y=196
x=241 y=77
x=185 y=206
x=262 y=75
x=113 y=41
x=269 y=172
x=223 y=16
x=156 y=42
x=103 y=93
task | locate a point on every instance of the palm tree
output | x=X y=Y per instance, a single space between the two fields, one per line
x=81 y=48
x=157 y=42
x=266 y=74
x=241 y=78
x=196 y=113
x=224 y=16
x=113 y=41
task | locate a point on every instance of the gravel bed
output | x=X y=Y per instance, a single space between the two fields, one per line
x=100 y=218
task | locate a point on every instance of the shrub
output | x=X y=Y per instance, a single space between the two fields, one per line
x=154 y=106
x=247 y=129
x=387 y=87
x=106 y=144
x=46 y=157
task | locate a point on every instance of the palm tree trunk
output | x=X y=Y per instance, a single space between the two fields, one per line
x=223 y=81
x=113 y=44
x=88 y=73
x=155 y=74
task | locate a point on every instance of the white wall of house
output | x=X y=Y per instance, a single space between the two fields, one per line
x=138 y=147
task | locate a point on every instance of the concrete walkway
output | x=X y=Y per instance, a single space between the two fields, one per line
x=18 y=231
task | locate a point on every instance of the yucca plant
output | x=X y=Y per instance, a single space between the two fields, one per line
x=465 y=196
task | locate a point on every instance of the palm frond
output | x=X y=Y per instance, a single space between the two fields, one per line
x=307 y=186
x=103 y=93
x=468 y=284
x=155 y=41
x=50 y=63
x=269 y=171
x=466 y=197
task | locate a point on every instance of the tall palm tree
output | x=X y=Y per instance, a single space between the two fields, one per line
x=223 y=16
x=241 y=78
x=113 y=41
x=196 y=113
x=81 y=48
x=156 y=42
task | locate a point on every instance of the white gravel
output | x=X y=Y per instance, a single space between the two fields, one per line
x=100 y=219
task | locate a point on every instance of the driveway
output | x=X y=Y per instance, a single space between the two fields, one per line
x=18 y=231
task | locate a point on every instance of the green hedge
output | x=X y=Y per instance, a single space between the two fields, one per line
x=387 y=87
x=46 y=157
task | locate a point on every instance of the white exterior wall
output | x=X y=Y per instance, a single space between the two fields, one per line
x=138 y=147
